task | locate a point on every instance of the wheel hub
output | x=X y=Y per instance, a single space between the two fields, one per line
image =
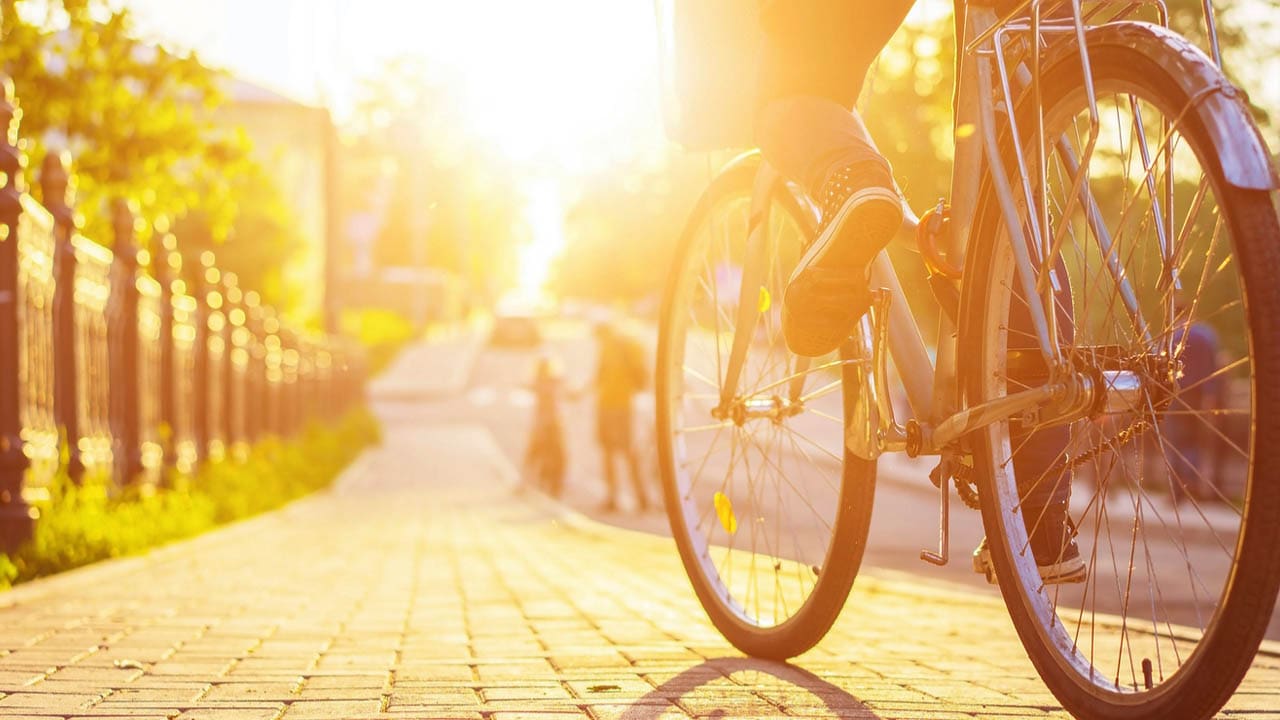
x=754 y=407
x=1110 y=385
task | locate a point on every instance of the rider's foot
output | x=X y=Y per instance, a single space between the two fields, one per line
x=828 y=291
x=1053 y=544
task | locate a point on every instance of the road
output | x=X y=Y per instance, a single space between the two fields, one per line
x=906 y=504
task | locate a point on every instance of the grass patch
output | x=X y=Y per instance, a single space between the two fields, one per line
x=82 y=524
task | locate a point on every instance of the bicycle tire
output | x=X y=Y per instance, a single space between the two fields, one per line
x=842 y=555
x=1223 y=651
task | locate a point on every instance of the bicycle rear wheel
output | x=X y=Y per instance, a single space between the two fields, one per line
x=768 y=510
x=1173 y=499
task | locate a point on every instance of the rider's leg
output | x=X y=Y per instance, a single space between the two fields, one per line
x=816 y=56
x=1040 y=455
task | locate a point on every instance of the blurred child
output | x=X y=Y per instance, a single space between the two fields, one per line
x=545 y=457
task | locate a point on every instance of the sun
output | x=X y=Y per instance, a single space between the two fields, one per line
x=555 y=92
x=567 y=85
x=543 y=214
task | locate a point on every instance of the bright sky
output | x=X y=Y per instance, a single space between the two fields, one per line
x=561 y=89
x=592 y=60
x=541 y=62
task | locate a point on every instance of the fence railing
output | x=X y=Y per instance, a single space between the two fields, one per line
x=131 y=361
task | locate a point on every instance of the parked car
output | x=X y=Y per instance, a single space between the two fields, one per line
x=515 y=331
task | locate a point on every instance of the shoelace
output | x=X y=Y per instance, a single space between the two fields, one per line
x=837 y=189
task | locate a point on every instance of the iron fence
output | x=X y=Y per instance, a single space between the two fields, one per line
x=110 y=361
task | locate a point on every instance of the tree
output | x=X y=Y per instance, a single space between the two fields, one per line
x=136 y=118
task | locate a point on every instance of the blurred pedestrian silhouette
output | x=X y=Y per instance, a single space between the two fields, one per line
x=545 y=457
x=621 y=372
x=1191 y=443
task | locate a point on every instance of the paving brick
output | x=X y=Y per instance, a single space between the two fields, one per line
x=338 y=709
x=422 y=587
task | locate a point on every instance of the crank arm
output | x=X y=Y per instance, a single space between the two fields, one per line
x=980 y=416
x=944 y=525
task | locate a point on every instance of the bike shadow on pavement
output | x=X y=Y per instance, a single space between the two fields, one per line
x=721 y=686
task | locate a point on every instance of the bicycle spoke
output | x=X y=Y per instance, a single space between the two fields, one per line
x=1142 y=277
x=760 y=507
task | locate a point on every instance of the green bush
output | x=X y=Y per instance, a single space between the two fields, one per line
x=383 y=333
x=94 y=521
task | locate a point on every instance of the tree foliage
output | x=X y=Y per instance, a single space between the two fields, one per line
x=137 y=119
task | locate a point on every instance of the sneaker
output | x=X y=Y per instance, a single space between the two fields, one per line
x=828 y=291
x=1053 y=544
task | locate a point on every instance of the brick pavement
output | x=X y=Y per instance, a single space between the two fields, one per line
x=424 y=587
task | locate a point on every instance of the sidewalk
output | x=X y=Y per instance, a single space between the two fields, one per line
x=424 y=587
x=433 y=368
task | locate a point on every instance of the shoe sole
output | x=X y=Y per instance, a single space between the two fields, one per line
x=865 y=224
x=1062 y=573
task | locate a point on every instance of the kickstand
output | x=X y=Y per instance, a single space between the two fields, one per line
x=944 y=523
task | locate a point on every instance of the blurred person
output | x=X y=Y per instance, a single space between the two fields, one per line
x=813 y=61
x=1191 y=443
x=545 y=457
x=621 y=373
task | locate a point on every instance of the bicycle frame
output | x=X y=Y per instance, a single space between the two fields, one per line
x=941 y=416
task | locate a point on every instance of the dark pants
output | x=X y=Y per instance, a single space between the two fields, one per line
x=816 y=56
x=613 y=431
x=815 y=60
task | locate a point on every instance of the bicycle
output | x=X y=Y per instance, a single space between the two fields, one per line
x=1109 y=189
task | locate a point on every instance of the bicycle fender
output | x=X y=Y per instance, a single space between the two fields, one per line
x=748 y=158
x=1220 y=106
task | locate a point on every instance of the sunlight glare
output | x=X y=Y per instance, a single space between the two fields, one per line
x=567 y=83
x=544 y=216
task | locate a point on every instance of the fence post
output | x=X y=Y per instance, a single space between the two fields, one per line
x=55 y=186
x=340 y=375
x=320 y=379
x=200 y=375
x=274 y=373
x=167 y=264
x=306 y=382
x=255 y=405
x=16 y=517
x=231 y=428
x=290 y=368
x=126 y=429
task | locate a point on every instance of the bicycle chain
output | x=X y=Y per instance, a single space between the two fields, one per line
x=962 y=479
x=1122 y=437
x=966 y=488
